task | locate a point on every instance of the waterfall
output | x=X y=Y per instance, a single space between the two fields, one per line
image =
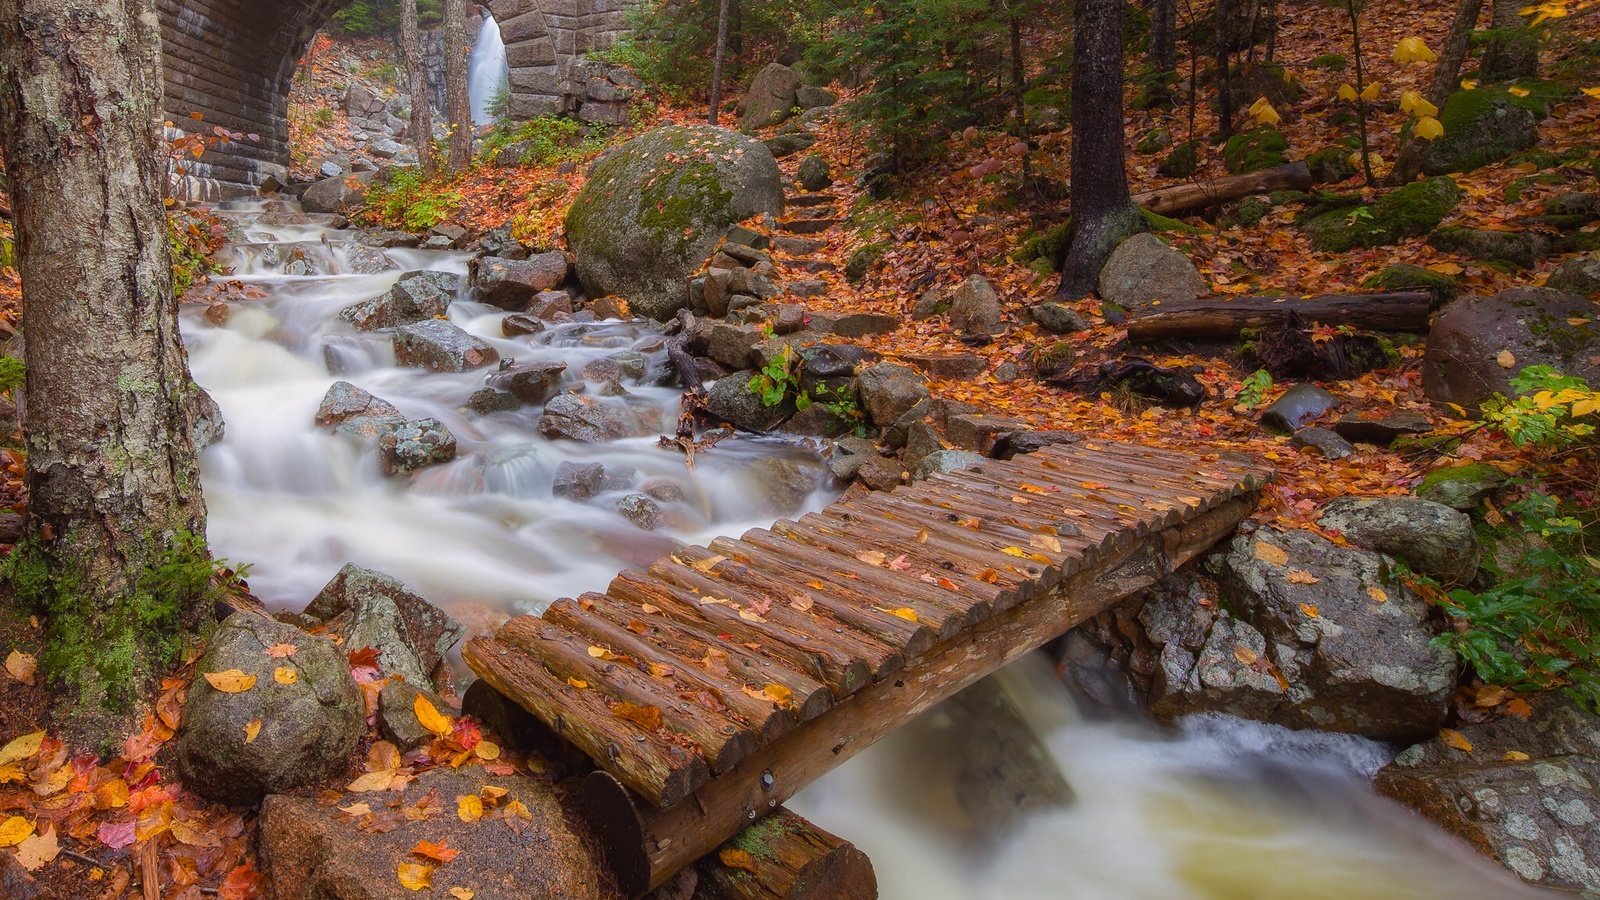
x=487 y=73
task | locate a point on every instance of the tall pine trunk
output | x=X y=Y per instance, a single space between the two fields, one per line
x=716 y=66
x=112 y=476
x=458 y=106
x=1164 y=36
x=1103 y=214
x=417 y=78
x=1446 y=76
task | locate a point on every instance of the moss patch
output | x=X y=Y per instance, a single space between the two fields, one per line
x=1182 y=162
x=1405 y=277
x=1259 y=148
x=1330 y=165
x=1411 y=211
x=1481 y=126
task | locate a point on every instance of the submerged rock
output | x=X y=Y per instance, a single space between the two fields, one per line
x=307 y=728
x=589 y=420
x=350 y=410
x=415 y=297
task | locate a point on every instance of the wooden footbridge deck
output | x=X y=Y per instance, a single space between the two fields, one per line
x=717 y=684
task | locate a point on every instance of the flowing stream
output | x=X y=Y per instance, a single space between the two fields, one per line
x=1221 y=809
x=487 y=73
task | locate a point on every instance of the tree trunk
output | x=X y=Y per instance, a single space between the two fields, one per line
x=1224 y=54
x=1361 y=90
x=417 y=77
x=1220 y=317
x=458 y=105
x=1103 y=214
x=1019 y=93
x=112 y=476
x=1183 y=199
x=716 y=66
x=1164 y=36
x=1513 y=48
x=1446 y=75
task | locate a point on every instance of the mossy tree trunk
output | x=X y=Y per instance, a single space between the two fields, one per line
x=458 y=105
x=417 y=79
x=1103 y=214
x=112 y=473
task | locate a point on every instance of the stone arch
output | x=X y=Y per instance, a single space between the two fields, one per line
x=232 y=61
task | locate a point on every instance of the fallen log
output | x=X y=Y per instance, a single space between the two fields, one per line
x=1225 y=317
x=785 y=857
x=1183 y=199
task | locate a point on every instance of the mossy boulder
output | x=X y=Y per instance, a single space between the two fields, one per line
x=654 y=209
x=1330 y=165
x=1516 y=249
x=1481 y=126
x=1259 y=148
x=1579 y=275
x=1183 y=161
x=1461 y=487
x=1479 y=343
x=1154 y=141
x=1411 y=211
x=1406 y=277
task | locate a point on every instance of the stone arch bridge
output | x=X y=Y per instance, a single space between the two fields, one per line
x=232 y=62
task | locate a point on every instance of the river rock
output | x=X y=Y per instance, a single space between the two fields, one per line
x=439 y=346
x=534 y=382
x=864 y=324
x=1323 y=440
x=771 y=98
x=784 y=485
x=416 y=444
x=975 y=307
x=206 y=425
x=308 y=728
x=371 y=609
x=732 y=400
x=1058 y=318
x=341 y=194
x=1143 y=271
x=653 y=210
x=350 y=410
x=1298 y=405
x=1381 y=428
x=888 y=391
x=511 y=283
x=1579 y=275
x=415 y=297
x=485 y=401
x=312 y=851
x=363 y=260
x=641 y=510
x=1523 y=791
x=941 y=461
x=577 y=481
x=1432 y=538
x=590 y=420
x=397 y=715
x=1478 y=343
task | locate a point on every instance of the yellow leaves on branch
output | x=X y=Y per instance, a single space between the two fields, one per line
x=1263 y=114
x=1428 y=129
x=1413 y=50
x=1348 y=93
x=1414 y=104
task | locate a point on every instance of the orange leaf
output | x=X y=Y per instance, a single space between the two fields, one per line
x=438 y=852
x=429 y=716
x=252 y=729
x=734 y=858
x=646 y=717
x=469 y=807
x=231 y=681
x=1454 y=738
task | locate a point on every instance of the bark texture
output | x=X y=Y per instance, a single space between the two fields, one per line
x=1513 y=48
x=1446 y=74
x=417 y=77
x=716 y=66
x=1164 y=36
x=1103 y=214
x=112 y=471
x=458 y=105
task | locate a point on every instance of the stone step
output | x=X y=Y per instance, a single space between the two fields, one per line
x=811 y=199
x=816 y=212
x=796 y=246
x=807 y=226
x=814 y=266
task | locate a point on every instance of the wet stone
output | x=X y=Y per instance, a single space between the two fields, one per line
x=641 y=510
x=530 y=382
x=350 y=410
x=414 y=445
x=519 y=324
x=488 y=400
x=1299 y=405
x=417 y=296
x=578 y=481
x=1381 y=429
x=439 y=346
x=1323 y=440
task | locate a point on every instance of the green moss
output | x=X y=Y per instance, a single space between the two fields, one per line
x=757 y=839
x=1046 y=245
x=1162 y=225
x=1331 y=62
x=672 y=202
x=1411 y=211
x=1461 y=487
x=1481 y=126
x=1259 y=148
x=1404 y=277
x=1182 y=162
x=1250 y=211
x=1331 y=165
x=1154 y=141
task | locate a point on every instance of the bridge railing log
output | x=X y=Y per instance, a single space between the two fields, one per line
x=645 y=845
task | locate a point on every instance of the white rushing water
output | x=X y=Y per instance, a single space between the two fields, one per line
x=487 y=72
x=482 y=536
x=1223 y=809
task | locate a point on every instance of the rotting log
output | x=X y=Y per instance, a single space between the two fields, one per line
x=1225 y=317
x=1191 y=197
x=785 y=857
x=645 y=846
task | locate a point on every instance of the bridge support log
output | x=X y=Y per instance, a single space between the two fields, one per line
x=645 y=846
x=785 y=857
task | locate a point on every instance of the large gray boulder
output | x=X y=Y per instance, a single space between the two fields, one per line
x=339 y=194
x=975 y=307
x=653 y=210
x=1480 y=127
x=772 y=97
x=888 y=391
x=1432 y=538
x=1143 y=270
x=511 y=283
x=415 y=297
x=371 y=609
x=307 y=728
x=1479 y=343
x=438 y=346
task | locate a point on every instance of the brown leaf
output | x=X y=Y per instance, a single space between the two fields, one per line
x=1301 y=576
x=1454 y=738
x=21 y=666
x=646 y=717
x=1271 y=554
x=231 y=681
x=735 y=858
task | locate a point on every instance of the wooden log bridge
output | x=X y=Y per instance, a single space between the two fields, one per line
x=714 y=686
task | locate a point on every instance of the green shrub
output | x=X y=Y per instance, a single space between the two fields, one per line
x=407 y=200
x=544 y=141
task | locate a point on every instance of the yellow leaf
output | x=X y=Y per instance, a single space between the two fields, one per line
x=603 y=653
x=1046 y=542
x=1446 y=268
x=1378 y=594
x=356 y=809
x=491 y=793
x=1370 y=93
x=1515 y=756
x=516 y=809
x=1309 y=610
x=1301 y=576
x=1413 y=49
x=53 y=782
x=905 y=612
x=461 y=893
x=1583 y=407
x=469 y=807
x=486 y=750
x=777 y=693
x=1454 y=738
x=192 y=834
x=285 y=675
x=1428 y=129
x=1347 y=92
x=1245 y=655
x=21 y=748
x=1469 y=84
x=580 y=685
x=232 y=681
x=415 y=876
x=1413 y=103
x=429 y=716
x=872 y=557
x=35 y=851
x=1271 y=554
x=1593 y=92
x=1506 y=359
x=14 y=831
x=922 y=536
x=1263 y=113
x=1015 y=551
x=1516 y=91
x=252 y=729
x=21 y=666
x=371 y=781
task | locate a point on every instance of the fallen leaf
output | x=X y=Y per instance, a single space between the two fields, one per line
x=252 y=729
x=1515 y=756
x=117 y=835
x=469 y=807
x=34 y=852
x=14 y=831
x=906 y=612
x=416 y=876
x=429 y=716
x=1519 y=707
x=192 y=834
x=646 y=717
x=371 y=781
x=1454 y=738
x=1245 y=655
x=735 y=858
x=461 y=893
x=580 y=685
x=872 y=557
x=707 y=564
x=282 y=651
x=21 y=666
x=21 y=748
x=356 y=809
x=1309 y=610
x=439 y=852
x=1046 y=542
x=231 y=681
x=1301 y=576
x=777 y=693
x=285 y=675
x=1377 y=593
x=1506 y=359
x=1271 y=554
